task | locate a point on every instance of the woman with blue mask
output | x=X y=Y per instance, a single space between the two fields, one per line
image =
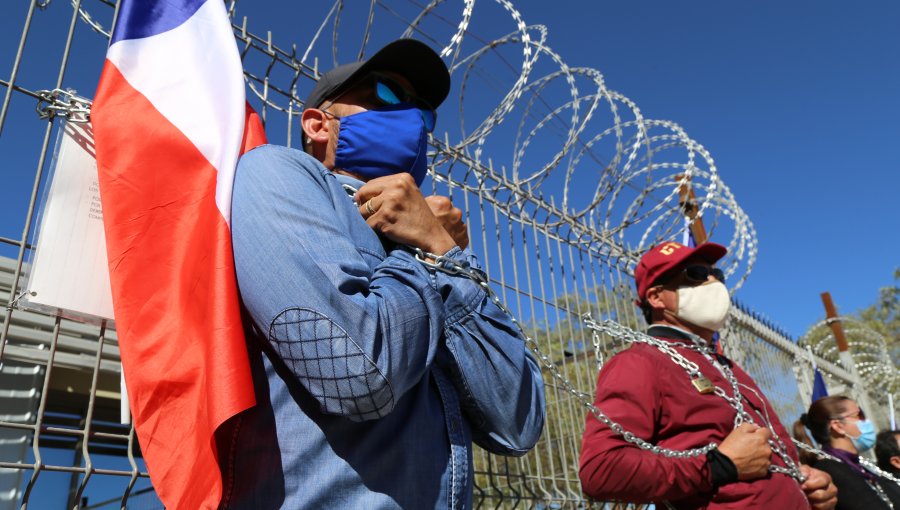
x=842 y=432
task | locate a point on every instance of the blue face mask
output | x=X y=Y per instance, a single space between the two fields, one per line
x=385 y=141
x=866 y=439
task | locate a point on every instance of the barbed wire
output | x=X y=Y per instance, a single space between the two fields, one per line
x=567 y=128
x=638 y=188
x=83 y=14
x=868 y=349
x=637 y=193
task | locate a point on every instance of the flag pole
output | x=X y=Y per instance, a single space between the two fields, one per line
x=687 y=199
x=834 y=322
x=891 y=414
x=124 y=406
x=694 y=227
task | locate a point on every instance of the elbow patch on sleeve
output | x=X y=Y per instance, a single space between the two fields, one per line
x=330 y=365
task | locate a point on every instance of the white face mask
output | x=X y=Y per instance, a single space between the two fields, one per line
x=704 y=305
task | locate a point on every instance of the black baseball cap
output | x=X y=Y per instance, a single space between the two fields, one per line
x=409 y=58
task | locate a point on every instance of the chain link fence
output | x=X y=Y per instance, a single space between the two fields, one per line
x=563 y=181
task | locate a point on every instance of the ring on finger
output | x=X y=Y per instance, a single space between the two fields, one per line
x=369 y=208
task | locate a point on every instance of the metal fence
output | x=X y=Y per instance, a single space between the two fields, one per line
x=583 y=183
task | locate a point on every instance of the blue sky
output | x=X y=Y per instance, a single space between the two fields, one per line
x=796 y=101
x=798 y=104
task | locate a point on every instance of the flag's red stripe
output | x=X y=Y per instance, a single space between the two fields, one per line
x=174 y=292
x=254 y=133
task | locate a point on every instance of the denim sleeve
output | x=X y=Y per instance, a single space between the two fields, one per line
x=355 y=337
x=500 y=383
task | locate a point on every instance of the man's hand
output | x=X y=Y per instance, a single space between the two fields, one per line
x=820 y=491
x=747 y=446
x=394 y=207
x=450 y=217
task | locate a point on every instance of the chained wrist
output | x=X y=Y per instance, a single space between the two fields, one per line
x=442 y=245
x=722 y=470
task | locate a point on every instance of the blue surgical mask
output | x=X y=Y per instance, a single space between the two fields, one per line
x=866 y=438
x=385 y=141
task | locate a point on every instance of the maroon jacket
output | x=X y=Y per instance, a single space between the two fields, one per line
x=649 y=395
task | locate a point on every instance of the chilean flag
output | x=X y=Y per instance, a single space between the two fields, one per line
x=170 y=120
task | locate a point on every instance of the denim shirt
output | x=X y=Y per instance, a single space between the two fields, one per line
x=373 y=374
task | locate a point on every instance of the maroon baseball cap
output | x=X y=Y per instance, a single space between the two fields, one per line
x=668 y=256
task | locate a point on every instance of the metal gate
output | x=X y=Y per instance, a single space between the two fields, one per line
x=563 y=181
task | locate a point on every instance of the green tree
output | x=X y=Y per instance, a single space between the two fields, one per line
x=874 y=337
x=552 y=467
x=884 y=316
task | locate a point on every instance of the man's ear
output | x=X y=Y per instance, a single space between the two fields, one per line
x=315 y=125
x=895 y=461
x=654 y=299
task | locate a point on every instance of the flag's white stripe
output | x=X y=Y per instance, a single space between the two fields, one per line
x=192 y=74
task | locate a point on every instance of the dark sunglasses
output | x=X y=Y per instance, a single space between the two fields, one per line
x=859 y=416
x=388 y=93
x=697 y=274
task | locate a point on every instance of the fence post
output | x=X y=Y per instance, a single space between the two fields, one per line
x=892 y=416
x=804 y=371
x=834 y=322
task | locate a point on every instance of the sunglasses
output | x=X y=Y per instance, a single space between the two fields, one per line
x=386 y=91
x=389 y=92
x=859 y=415
x=697 y=274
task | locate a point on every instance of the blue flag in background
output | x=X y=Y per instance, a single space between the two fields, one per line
x=819 y=389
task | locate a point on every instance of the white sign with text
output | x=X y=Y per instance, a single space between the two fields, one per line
x=69 y=272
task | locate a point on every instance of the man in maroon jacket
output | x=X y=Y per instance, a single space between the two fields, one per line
x=642 y=388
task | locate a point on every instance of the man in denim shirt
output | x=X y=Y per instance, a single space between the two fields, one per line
x=373 y=373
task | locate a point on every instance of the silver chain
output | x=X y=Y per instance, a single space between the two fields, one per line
x=867 y=464
x=450 y=266
x=63 y=103
x=735 y=400
x=880 y=491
